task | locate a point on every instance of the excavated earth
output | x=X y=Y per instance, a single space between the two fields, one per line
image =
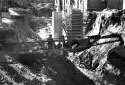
x=53 y=62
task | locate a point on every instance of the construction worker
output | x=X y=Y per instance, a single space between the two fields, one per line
x=50 y=41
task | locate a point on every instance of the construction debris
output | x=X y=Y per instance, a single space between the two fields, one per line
x=92 y=61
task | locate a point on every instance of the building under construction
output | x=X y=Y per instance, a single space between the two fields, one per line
x=92 y=54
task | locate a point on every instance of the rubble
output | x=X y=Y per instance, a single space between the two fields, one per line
x=94 y=59
x=18 y=38
x=45 y=67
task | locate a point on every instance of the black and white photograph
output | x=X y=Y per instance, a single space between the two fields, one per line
x=62 y=42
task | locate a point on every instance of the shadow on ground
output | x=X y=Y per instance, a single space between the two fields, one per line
x=61 y=70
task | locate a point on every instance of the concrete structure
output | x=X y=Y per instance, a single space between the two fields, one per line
x=67 y=7
x=123 y=4
x=57 y=24
x=77 y=24
x=75 y=9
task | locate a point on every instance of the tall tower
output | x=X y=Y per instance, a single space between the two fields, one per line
x=76 y=31
x=57 y=24
x=123 y=4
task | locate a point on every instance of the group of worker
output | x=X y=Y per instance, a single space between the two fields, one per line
x=51 y=43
